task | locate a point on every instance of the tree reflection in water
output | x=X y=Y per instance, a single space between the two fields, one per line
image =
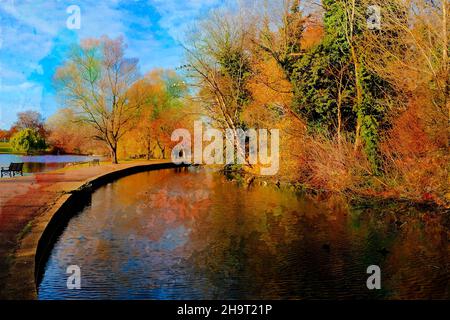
x=195 y=235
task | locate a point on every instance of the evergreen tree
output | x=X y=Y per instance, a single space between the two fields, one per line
x=316 y=85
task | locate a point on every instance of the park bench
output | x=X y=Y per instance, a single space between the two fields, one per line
x=12 y=170
x=95 y=162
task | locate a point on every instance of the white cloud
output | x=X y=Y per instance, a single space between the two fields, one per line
x=178 y=16
x=22 y=86
x=31 y=31
x=17 y=98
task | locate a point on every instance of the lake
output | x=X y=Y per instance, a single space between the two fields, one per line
x=42 y=163
x=196 y=235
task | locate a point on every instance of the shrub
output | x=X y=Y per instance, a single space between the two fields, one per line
x=28 y=141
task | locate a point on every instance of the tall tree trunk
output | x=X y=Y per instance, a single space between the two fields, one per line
x=445 y=6
x=339 y=116
x=350 y=20
x=149 y=149
x=359 y=98
x=113 y=149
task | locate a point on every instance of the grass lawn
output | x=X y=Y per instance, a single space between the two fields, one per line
x=5 y=147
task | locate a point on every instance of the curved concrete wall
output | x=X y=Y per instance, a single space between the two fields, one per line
x=35 y=247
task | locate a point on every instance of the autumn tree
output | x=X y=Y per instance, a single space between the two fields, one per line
x=281 y=32
x=68 y=134
x=30 y=120
x=277 y=45
x=5 y=135
x=164 y=111
x=411 y=52
x=219 y=68
x=95 y=81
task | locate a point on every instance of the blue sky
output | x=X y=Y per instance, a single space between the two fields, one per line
x=34 y=39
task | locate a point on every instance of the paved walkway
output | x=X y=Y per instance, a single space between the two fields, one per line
x=22 y=199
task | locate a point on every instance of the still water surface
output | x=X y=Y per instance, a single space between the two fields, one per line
x=42 y=163
x=195 y=235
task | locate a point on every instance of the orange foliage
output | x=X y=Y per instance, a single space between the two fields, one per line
x=270 y=92
x=151 y=137
x=415 y=163
x=313 y=35
x=70 y=136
